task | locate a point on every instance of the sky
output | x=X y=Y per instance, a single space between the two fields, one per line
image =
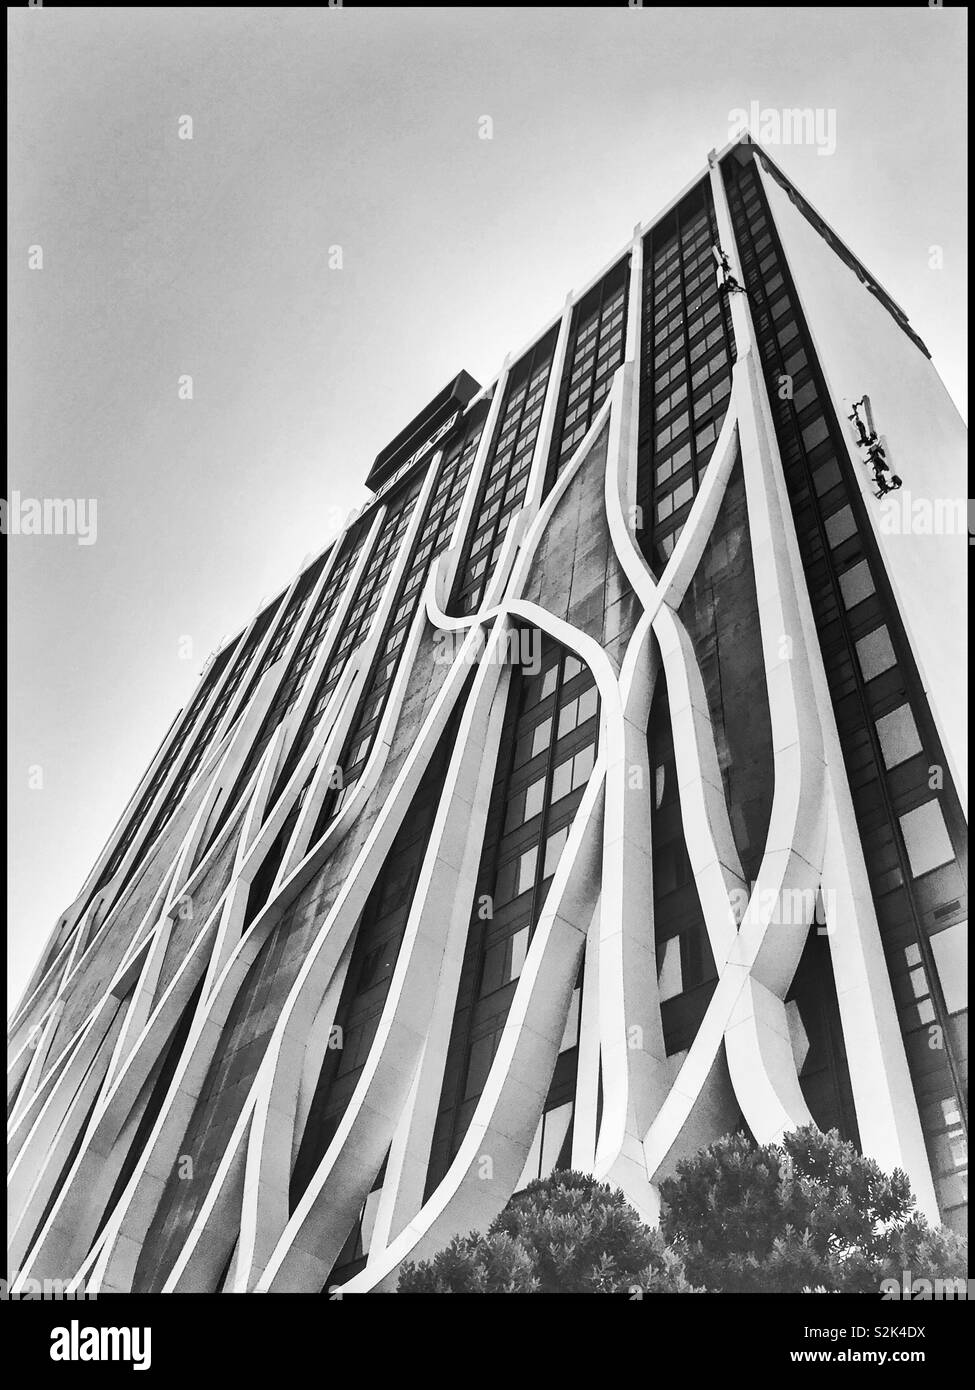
x=212 y=258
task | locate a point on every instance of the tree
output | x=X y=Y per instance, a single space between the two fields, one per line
x=563 y=1234
x=810 y=1213
x=807 y=1214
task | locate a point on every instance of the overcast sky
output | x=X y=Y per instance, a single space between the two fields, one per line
x=209 y=257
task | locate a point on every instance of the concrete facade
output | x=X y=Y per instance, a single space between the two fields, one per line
x=568 y=809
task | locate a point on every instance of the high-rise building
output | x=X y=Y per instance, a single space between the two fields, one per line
x=599 y=790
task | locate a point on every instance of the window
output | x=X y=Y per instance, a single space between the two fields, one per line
x=663 y=470
x=577 y=711
x=570 y=1034
x=515 y=876
x=573 y=773
x=796 y=360
x=840 y=527
x=540 y=686
x=804 y=396
x=368 y=1219
x=534 y=798
x=898 y=735
x=926 y=838
x=526 y=870
x=562 y=780
x=522 y=807
x=671 y=867
x=683 y=493
x=826 y=477
x=789 y=330
x=555 y=1127
x=669 y=977
x=680 y=458
x=503 y=961
x=541 y=737
x=479 y=1064
x=950 y=950
x=550 y=1137
x=949 y=1150
x=706 y=437
x=553 y=849
x=356 y=1045
x=856 y=584
x=519 y=952
x=875 y=653
x=921 y=1011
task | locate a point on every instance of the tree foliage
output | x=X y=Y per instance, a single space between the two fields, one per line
x=563 y=1234
x=807 y=1213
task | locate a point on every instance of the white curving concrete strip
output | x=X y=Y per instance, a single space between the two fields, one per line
x=312 y=1238
x=340 y=922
